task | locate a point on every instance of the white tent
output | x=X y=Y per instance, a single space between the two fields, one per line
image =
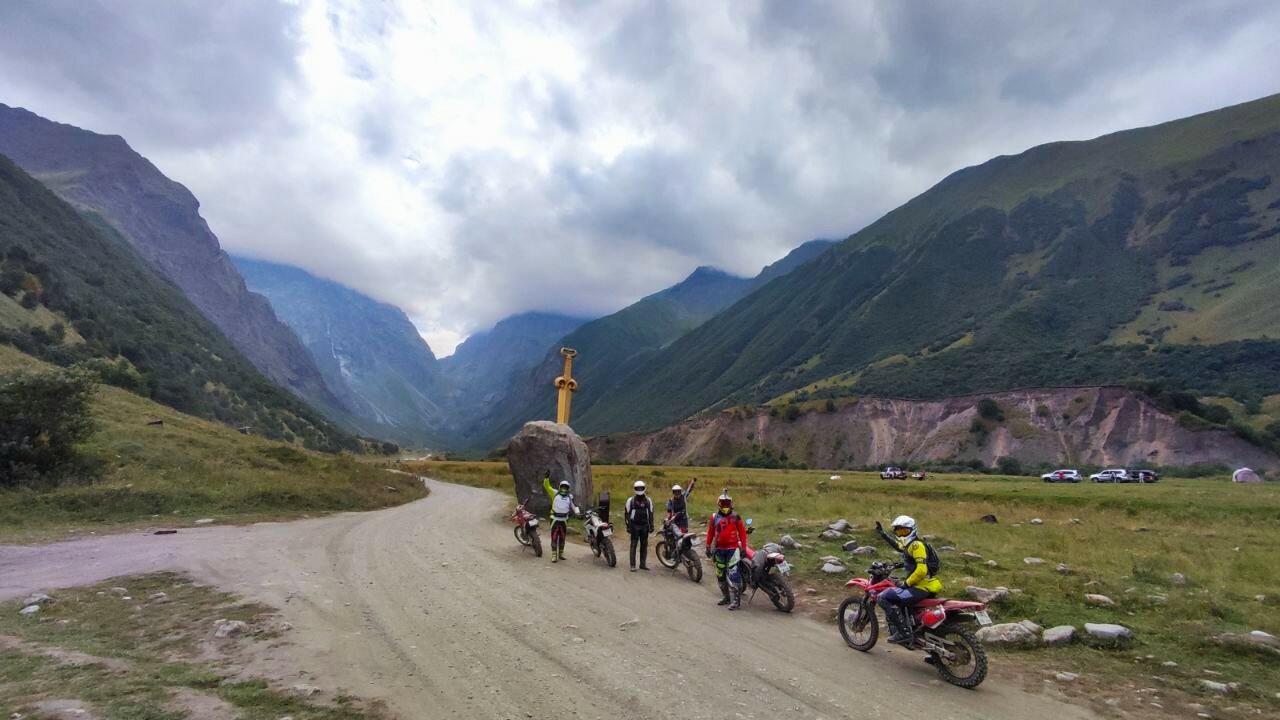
x=1245 y=475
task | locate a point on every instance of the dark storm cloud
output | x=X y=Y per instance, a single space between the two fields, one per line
x=471 y=160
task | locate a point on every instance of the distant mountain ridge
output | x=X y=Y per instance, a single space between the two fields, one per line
x=368 y=352
x=160 y=218
x=612 y=347
x=1148 y=255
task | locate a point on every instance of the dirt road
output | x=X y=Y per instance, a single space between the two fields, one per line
x=433 y=607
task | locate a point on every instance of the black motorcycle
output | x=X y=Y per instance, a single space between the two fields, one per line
x=676 y=548
x=767 y=570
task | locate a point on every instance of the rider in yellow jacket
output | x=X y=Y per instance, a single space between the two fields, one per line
x=921 y=565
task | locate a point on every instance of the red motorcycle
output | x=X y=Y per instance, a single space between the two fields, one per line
x=526 y=528
x=940 y=626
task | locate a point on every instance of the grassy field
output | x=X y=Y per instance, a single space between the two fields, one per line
x=1128 y=542
x=188 y=468
x=147 y=655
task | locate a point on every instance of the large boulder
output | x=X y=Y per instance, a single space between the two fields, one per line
x=543 y=446
x=1019 y=633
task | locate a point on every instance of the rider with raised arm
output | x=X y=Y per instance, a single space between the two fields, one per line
x=562 y=505
x=920 y=562
x=726 y=545
x=678 y=506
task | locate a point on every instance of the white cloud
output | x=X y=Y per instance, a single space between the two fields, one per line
x=470 y=160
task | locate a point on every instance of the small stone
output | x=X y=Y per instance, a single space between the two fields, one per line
x=850 y=546
x=1158 y=599
x=1098 y=600
x=1108 y=631
x=633 y=622
x=789 y=542
x=1260 y=598
x=1063 y=568
x=158 y=597
x=1033 y=561
x=988 y=518
x=578 y=640
x=203 y=521
x=864 y=550
x=1169 y=664
x=1066 y=677
x=29 y=610
x=1215 y=686
x=992 y=563
x=1019 y=633
x=832 y=568
x=810 y=591
x=305 y=690
x=120 y=591
x=839 y=526
x=971 y=555
x=1059 y=635
x=831 y=559
x=983 y=595
x=947 y=548
x=1178 y=579
x=1037 y=521
x=37 y=599
x=230 y=628
x=829 y=535
x=1112 y=702
x=1076 y=521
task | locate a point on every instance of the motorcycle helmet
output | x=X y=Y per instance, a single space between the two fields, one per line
x=638 y=487
x=564 y=487
x=725 y=502
x=904 y=527
x=676 y=490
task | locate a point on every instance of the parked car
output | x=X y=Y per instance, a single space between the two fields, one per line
x=1071 y=476
x=893 y=473
x=1144 y=476
x=1115 y=475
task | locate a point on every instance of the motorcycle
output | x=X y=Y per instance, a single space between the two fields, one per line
x=675 y=548
x=766 y=569
x=940 y=626
x=526 y=528
x=599 y=536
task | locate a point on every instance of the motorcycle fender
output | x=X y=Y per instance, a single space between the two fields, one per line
x=607 y=532
x=533 y=523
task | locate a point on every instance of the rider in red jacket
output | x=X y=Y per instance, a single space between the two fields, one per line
x=726 y=545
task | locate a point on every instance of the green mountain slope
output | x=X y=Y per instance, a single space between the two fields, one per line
x=612 y=347
x=90 y=297
x=1046 y=268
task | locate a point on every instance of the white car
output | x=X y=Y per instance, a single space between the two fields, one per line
x=1070 y=476
x=1112 y=476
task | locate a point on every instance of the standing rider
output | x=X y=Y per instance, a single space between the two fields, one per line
x=639 y=518
x=562 y=505
x=921 y=564
x=726 y=545
x=678 y=506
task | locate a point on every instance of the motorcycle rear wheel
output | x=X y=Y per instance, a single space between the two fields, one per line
x=970 y=667
x=780 y=594
x=535 y=542
x=693 y=566
x=521 y=536
x=663 y=552
x=609 y=556
x=859 y=625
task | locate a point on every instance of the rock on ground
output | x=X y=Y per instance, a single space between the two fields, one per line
x=1033 y=561
x=988 y=518
x=1066 y=677
x=1037 y=521
x=832 y=568
x=1256 y=640
x=864 y=550
x=1178 y=579
x=230 y=629
x=37 y=599
x=1019 y=633
x=789 y=542
x=830 y=535
x=850 y=546
x=543 y=446
x=840 y=525
x=989 y=596
x=29 y=610
x=1108 y=631
x=1098 y=600
x=1059 y=635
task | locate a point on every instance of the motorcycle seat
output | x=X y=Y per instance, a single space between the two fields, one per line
x=931 y=602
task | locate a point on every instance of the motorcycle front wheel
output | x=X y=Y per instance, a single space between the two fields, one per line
x=693 y=566
x=609 y=556
x=858 y=624
x=780 y=593
x=521 y=536
x=535 y=542
x=967 y=666
x=663 y=551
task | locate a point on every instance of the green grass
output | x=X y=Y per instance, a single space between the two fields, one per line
x=1221 y=536
x=143 y=651
x=190 y=468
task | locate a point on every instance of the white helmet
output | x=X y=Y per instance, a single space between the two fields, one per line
x=677 y=489
x=909 y=524
x=639 y=487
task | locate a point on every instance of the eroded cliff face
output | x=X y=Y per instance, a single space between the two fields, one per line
x=1062 y=426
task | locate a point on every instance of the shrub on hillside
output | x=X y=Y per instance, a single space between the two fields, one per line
x=43 y=415
x=990 y=410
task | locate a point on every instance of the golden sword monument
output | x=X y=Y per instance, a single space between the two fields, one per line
x=566 y=386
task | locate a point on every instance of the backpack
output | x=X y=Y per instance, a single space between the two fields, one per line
x=932 y=563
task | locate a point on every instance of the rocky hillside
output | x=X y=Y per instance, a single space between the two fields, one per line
x=368 y=352
x=161 y=220
x=1147 y=254
x=612 y=347
x=481 y=369
x=1067 y=427
x=75 y=292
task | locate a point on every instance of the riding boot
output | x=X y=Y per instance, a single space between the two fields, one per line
x=724 y=591
x=737 y=598
x=901 y=624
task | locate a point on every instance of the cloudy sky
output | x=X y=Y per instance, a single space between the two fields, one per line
x=470 y=160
